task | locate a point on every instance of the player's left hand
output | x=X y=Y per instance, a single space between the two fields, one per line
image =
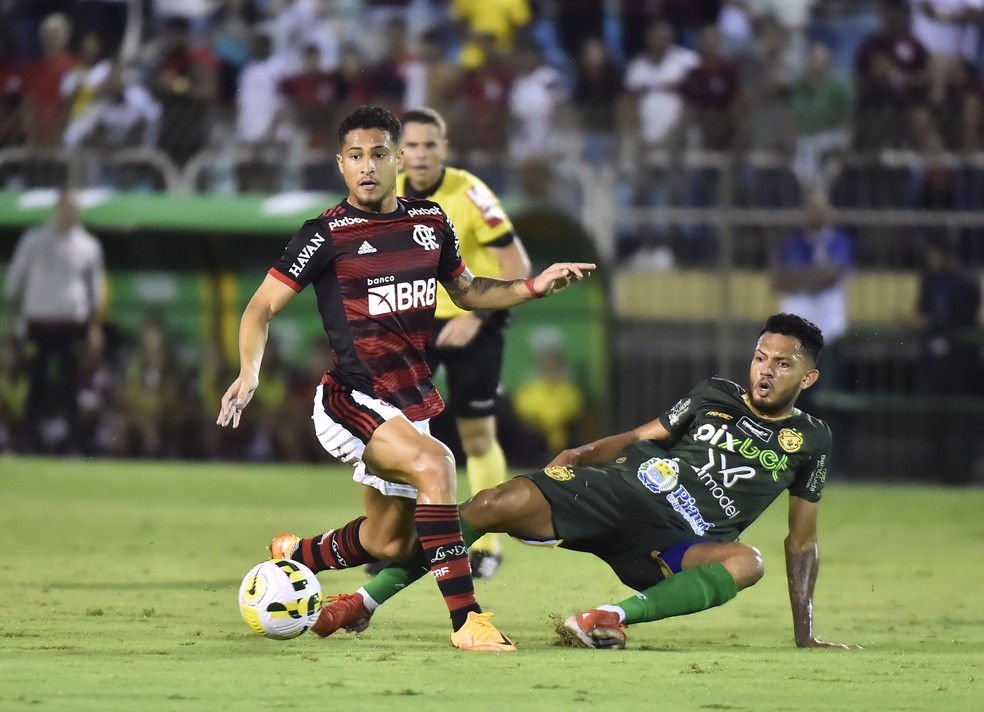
x=235 y=399
x=560 y=276
x=817 y=643
x=459 y=332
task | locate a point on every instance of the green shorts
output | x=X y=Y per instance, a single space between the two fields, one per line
x=604 y=515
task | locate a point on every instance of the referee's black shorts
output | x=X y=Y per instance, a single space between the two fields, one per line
x=606 y=516
x=472 y=371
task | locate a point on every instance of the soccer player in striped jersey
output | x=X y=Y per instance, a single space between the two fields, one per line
x=374 y=261
x=468 y=344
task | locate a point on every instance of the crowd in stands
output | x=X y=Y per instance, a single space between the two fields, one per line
x=517 y=79
x=245 y=95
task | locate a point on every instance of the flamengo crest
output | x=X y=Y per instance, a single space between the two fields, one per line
x=423 y=235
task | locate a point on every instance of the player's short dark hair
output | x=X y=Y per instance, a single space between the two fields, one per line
x=425 y=115
x=808 y=333
x=370 y=117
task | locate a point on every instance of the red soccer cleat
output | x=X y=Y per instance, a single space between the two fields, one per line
x=346 y=610
x=594 y=629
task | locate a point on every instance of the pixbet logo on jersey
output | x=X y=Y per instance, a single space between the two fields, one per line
x=402 y=296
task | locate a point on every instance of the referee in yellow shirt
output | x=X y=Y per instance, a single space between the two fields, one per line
x=468 y=344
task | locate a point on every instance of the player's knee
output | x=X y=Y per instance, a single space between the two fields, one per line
x=746 y=567
x=484 y=510
x=431 y=469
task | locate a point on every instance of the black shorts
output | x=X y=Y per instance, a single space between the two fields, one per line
x=472 y=371
x=604 y=515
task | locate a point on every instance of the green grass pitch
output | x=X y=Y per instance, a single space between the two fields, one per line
x=118 y=585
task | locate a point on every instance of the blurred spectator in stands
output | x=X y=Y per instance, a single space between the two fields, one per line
x=12 y=78
x=231 y=35
x=107 y=19
x=81 y=84
x=479 y=19
x=712 y=91
x=689 y=19
x=149 y=406
x=45 y=108
x=388 y=74
x=598 y=101
x=821 y=103
x=792 y=18
x=184 y=80
x=259 y=101
x=353 y=74
x=809 y=271
x=653 y=79
x=123 y=115
x=477 y=127
x=842 y=25
x=432 y=78
x=312 y=96
x=653 y=115
x=947 y=319
x=100 y=383
x=575 y=22
x=950 y=30
x=933 y=180
x=536 y=98
x=634 y=18
x=13 y=395
x=768 y=125
x=958 y=113
x=712 y=94
x=550 y=402
x=891 y=73
x=56 y=286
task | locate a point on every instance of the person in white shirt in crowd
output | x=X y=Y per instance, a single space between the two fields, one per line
x=537 y=93
x=80 y=86
x=652 y=78
x=123 y=114
x=951 y=31
x=55 y=290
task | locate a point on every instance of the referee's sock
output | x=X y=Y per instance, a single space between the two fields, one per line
x=485 y=472
x=689 y=591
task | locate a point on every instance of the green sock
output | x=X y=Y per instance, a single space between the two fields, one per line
x=396 y=577
x=689 y=591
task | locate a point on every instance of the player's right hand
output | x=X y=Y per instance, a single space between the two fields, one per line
x=235 y=399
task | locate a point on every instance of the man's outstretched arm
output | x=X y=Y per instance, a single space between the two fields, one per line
x=470 y=292
x=605 y=450
x=802 y=564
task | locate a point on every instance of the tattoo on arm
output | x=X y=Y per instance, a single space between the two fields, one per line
x=467 y=283
x=801 y=573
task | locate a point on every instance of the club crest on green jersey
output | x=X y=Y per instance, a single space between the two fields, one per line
x=659 y=474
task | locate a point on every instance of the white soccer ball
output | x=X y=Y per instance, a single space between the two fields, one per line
x=280 y=598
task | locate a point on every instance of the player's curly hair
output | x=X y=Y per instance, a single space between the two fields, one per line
x=808 y=333
x=370 y=117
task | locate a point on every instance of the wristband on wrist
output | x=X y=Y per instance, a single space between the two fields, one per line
x=529 y=285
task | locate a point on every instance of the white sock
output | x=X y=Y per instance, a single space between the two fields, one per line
x=370 y=603
x=610 y=609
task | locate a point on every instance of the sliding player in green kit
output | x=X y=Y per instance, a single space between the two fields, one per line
x=664 y=504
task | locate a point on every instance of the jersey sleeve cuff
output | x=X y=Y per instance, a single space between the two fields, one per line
x=458 y=270
x=285 y=279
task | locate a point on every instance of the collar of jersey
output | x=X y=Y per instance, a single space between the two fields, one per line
x=409 y=192
x=400 y=210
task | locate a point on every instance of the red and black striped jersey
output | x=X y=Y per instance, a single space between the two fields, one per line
x=375 y=278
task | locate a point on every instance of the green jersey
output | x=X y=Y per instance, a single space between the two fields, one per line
x=725 y=464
